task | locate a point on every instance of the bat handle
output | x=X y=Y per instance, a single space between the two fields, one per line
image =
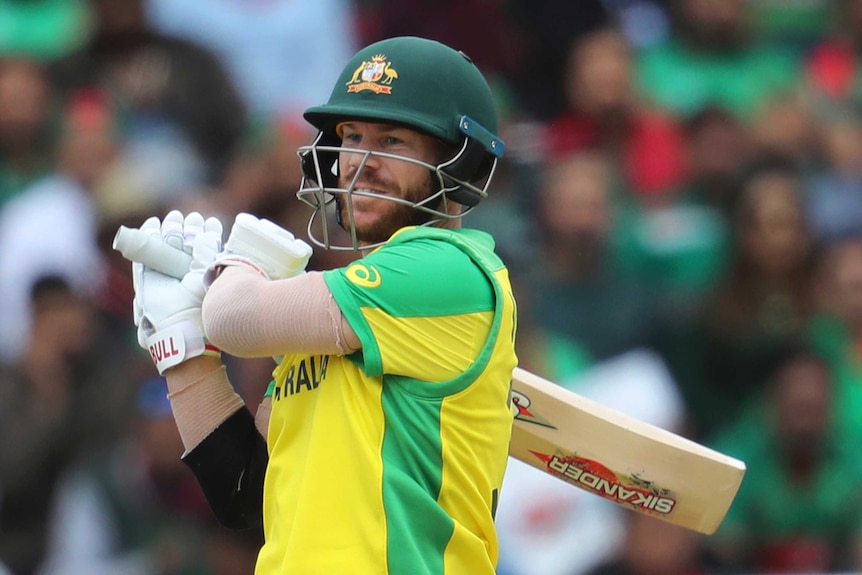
x=138 y=246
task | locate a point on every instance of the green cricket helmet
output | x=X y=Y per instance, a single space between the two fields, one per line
x=416 y=83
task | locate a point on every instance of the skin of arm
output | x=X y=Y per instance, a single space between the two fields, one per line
x=261 y=418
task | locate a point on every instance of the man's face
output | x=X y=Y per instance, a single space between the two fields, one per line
x=773 y=232
x=802 y=403
x=575 y=203
x=374 y=218
x=843 y=277
x=24 y=97
x=598 y=76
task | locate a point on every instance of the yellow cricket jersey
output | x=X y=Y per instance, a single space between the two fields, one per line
x=389 y=461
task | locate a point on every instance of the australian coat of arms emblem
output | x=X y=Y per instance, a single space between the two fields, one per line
x=375 y=75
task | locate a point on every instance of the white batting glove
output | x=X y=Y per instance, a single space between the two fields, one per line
x=167 y=310
x=265 y=247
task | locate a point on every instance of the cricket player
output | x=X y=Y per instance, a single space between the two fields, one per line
x=382 y=443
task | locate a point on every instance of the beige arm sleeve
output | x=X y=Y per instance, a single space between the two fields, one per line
x=201 y=398
x=247 y=315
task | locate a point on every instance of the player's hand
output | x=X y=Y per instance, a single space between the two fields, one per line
x=167 y=310
x=263 y=246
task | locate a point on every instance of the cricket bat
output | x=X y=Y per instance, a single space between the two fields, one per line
x=627 y=461
x=632 y=463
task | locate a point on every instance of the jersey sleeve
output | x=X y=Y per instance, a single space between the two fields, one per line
x=423 y=300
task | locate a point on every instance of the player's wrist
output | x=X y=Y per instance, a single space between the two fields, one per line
x=193 y=369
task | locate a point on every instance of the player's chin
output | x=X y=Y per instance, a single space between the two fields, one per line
x=365 y=213
x=376 y=225
x=365 y=222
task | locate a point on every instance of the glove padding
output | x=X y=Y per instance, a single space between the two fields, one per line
x=262 y=245
x=167 y=310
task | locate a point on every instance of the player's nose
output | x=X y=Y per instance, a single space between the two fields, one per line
x=363 y=162
x=362 y=158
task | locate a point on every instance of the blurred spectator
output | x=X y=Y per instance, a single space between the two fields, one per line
x=836 y=331
x=718 y=147
x=799 y=509
x=785 y=128
x=763 y=301
x=679 y=239
x=25 y=102
x=66 y=397
x=51 y=227
x=42 y=29
x=182 y=116
x=577 y=286
x=283 y=56
x=603 y=113
x=135 y=509
x=675 y=237
x=713 y=58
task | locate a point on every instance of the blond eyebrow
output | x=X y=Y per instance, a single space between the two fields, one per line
x=384 y=127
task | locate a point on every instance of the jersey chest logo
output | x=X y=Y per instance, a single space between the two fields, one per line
x=363 y=276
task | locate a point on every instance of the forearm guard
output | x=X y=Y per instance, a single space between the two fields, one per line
x=230 y=465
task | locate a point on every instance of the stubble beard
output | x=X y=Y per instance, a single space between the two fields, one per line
x=391 y=217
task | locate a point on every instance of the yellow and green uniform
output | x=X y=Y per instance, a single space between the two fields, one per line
x=390 y=460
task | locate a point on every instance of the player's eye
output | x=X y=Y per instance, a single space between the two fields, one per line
x=351 y=137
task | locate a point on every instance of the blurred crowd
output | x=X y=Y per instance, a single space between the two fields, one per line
x=680 y=206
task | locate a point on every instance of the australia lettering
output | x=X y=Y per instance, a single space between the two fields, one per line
x=302 y=377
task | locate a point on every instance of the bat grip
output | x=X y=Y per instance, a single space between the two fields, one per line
x=150 y=250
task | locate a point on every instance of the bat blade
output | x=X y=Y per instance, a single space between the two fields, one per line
x=632 y=463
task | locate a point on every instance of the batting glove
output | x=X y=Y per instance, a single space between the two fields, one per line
x=263 y=246
x=167 y=310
